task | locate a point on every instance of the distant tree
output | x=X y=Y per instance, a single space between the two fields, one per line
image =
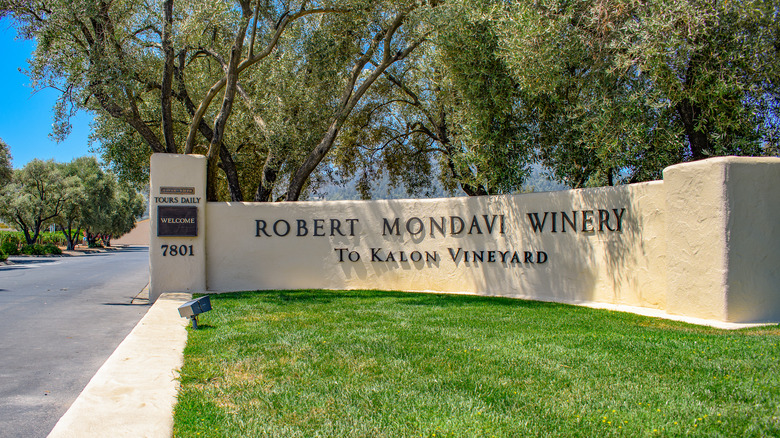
x=108 y=207
x=34 y=198
x=70 y=215
x=128 y=205
x=6 y=170
x=98 y=208
x=77 y=196
x=86 y=186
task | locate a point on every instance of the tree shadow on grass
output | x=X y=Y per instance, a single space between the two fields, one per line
x=588 y=319
x=403 y=298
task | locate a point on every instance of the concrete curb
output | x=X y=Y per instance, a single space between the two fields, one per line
x=133 y=393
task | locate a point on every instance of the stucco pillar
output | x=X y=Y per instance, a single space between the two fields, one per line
x=177 y=248
x=723 y=239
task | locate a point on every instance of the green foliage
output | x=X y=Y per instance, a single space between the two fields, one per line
x=51 y=248
x=5 y=163
x=77 y=195
x=110 y=57
x=13 y=237
x=392 y=364
x=599 y=92
x=485 y=120
x=47 y=243
x=3 y=256
x=10 y=247
x=33 y=198
x=450 y=105
x=616 y=91
x=56 y=238
x=123 y=150
x=40 y=249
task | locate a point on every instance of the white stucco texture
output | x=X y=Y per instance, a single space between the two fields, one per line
x=177 y=273
x=724 y=239
x=563 y=246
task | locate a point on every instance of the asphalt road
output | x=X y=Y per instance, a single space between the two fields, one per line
x=60 y=319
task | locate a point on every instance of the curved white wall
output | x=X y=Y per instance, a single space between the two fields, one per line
x=687 y=245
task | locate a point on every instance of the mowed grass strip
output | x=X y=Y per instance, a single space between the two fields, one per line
x=385 y=364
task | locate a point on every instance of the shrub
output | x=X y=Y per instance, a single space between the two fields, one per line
x=48 y=243
x=11 y=236
x=51 y=248
x=34 y=249
x=38 y=249
x=56 y=238
x=10 y=247
x=3 y=256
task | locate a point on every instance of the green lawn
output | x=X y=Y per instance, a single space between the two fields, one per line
x=389 y=364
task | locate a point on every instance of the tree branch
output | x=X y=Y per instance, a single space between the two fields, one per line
x=167 y=78
x=217 y=87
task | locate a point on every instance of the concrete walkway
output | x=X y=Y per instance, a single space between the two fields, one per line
x=134 y=392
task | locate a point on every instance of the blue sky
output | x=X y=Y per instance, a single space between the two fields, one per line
x=26 y=118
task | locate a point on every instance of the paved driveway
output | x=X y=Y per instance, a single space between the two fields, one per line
x=60 y=319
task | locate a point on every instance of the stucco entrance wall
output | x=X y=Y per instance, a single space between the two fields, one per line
x=602 y=245
x=702 y=243
x=177 y=262
x=723 y=234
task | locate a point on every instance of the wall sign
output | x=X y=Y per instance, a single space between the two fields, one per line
x=179 y=221
x=177 y=190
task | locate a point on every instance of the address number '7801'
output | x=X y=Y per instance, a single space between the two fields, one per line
x=174 y=250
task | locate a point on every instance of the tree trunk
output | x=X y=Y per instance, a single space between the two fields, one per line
x=315 y=157
x=34 y=238
x=350 y=97
x=270 y=172
x=70 y=240
x=211 y=180
x=698 y=141
x=227 y=103
x=690 y=113
x=228 y=165
x=467 y=188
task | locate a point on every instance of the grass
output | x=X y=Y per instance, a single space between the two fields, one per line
x=385 y=364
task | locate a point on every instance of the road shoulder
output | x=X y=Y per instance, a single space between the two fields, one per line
x=134 y=392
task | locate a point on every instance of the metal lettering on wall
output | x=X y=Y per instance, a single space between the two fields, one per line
x=177 y=221
x=593 y=221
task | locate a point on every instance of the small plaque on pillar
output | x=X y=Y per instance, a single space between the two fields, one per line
x=177 y=190
x=177 y=221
